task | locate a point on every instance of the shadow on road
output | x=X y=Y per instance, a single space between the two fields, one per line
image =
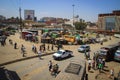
x=6 y=74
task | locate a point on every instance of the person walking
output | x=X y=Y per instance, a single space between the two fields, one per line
x=111 y=73
x=50 y=65
x=40 y=48
x=23 y=50
x=89 y=67
x=52 y=48
x=39 y=54
x=33 y=48
x=88 y=54
x=10 y=41
x=55 y=69
x=93 y=64
x=100 y=67
x=58 y=47
x=48 y=47
x=44 y=48
x=15 y=45
x=101 y=42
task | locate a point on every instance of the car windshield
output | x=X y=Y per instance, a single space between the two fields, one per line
x=83 y=47
x=59 y=52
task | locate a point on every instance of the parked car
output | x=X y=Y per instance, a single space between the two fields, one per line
x=117 y=55
x=60 y=54
x=84 y=48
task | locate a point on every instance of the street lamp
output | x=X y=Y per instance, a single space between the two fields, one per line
x=20 y=19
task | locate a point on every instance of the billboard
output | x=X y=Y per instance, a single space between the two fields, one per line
x=29 y=15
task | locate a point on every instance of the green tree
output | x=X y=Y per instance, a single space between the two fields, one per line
x=80 y=25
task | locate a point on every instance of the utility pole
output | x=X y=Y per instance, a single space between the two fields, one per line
x=73 y=18
x=20 y=22
x=20 y=19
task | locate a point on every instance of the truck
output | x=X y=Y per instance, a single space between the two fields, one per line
x=108 y=52
x=60 y=54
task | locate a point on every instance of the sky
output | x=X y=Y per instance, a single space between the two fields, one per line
x=86 y=9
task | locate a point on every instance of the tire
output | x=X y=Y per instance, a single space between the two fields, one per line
x=70 y=55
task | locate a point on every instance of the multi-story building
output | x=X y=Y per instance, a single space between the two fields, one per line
x=109 y=21
x=2 y=18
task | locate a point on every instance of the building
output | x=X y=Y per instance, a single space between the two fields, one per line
x=109 y=21
x=2 y=18
x=29 y=15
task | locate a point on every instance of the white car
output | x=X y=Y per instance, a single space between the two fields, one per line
x=84 y=48
x=62 y=54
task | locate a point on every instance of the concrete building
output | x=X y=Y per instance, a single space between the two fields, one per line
x=2 y=18
x=109 y=21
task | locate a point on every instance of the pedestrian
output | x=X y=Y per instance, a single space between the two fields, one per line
x=101 y=42
x=93 y=64
x=85 y=54
x=15 y=45
x=94 y=57
x=2 y=42
x=40 y=48
x=97 y=62
x=50 y=65
x=58 y=47
x=100 y=67
x=89 y=67
x=48 y=47
x=55 y=69
x=103 y=61
x=33 y=48
x=44 y=48
x=111 y=73
x=52 y=48
x=39 y=54
x=23 y=50
x=88 y=54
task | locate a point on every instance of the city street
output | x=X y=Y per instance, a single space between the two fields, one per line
x=35 y=68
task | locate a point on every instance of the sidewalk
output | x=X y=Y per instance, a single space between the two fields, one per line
x=8 y=54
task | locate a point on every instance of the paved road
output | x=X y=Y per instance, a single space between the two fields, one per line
x=36 y=69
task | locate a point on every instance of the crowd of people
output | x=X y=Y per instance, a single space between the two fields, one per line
x=98 y=63
x=42 y=48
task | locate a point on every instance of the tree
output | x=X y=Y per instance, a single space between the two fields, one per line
x=80 y=25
